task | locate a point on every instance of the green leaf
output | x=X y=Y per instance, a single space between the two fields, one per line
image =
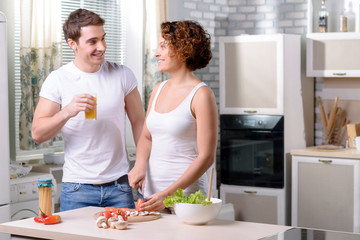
x=179 y=197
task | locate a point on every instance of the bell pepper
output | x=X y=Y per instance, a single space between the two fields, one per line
x=53 y=219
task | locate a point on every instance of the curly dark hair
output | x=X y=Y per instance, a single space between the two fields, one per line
x=78 y=19
x=189 y=42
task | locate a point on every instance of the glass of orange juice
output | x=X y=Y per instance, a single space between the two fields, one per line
x=92 y=114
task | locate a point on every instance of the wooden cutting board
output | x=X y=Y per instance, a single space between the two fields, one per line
x=136 y=218
x=327 y=148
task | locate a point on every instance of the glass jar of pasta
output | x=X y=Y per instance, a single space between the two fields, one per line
x=45 y=201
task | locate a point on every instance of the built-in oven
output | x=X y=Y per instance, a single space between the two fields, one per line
x=252 y=150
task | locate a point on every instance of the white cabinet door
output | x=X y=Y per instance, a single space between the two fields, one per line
x=333 y=55
x=253 y=204
x=325 y=193
x=253 y=69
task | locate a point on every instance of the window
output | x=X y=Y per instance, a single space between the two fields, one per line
x=114 y=14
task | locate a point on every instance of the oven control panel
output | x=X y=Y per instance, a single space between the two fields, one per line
x=265 y=122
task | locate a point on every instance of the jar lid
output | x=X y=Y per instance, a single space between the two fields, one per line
x=45 y=182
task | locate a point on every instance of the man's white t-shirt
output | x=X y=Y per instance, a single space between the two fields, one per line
x=95 y=150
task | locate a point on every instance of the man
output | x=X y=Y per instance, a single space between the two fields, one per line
x=96 y=163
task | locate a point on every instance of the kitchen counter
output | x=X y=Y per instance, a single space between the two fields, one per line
x=350 y=153
x=79 y=224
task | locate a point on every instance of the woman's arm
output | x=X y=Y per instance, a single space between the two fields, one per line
x=205 y=111
x=143 y=149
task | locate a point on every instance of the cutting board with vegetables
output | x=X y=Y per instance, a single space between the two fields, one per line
x=138 y=218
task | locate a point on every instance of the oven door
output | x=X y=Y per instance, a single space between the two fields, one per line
x=252 y=157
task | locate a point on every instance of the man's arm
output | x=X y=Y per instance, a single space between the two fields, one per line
x=49 y=118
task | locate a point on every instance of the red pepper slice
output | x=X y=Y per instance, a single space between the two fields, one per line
x=138 y=203
x=54 y=219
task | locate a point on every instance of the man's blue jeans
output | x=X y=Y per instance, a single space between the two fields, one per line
x=77 y=195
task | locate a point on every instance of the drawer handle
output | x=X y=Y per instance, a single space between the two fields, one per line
x=250 y=111
x=250 y=192
x=325 y=161
x=339 y=74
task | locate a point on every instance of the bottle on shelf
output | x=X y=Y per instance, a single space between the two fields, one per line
x=323 y=17
x=343 y=23
x=350 y=18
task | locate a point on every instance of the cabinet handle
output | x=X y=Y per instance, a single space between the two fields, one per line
x=250 y=192
x=325 y=161
x=339 y=74
x=250 y=111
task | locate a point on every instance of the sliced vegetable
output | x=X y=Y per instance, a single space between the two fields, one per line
x=138 y=203
x=106 y=214
x=179 y=197
x=53 y=219
x=110 y=209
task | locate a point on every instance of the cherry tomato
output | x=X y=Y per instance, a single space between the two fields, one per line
x=125 y=209
x=124 y=216
x=138 y=203
x=110 y=209
x=106 y=214
x=53 y=219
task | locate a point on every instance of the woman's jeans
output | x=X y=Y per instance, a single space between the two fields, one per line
x=77 y=195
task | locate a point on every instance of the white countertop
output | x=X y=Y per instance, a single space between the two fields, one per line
x=80 y=224
x=350 y=153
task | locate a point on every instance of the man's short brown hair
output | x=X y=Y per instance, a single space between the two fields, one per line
x=78 y=19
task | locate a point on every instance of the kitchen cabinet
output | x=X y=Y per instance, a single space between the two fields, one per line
x=256 y=70
x=255 y=204
x=334 y=55
x=325 y=193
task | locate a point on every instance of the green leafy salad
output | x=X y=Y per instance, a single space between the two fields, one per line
x=180 y=197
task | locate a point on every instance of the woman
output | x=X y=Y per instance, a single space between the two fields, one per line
x=178 y=141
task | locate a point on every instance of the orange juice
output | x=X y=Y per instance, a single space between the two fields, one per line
x=92 y=114
x=45 y=200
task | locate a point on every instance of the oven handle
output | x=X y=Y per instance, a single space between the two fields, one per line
x=250 y=111
x=250 y=192
x=325 y=161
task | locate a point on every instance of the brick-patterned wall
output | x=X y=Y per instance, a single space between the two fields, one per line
x=235 y=17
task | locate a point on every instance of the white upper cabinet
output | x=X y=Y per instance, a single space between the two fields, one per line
x=253 y=69
x=333 y=55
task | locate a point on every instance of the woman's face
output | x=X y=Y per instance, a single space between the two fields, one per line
x=167 y=62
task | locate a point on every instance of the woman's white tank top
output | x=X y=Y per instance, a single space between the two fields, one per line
x=174 y=146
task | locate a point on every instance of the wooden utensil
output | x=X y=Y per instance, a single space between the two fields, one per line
x=322 y=115
x=210 y=183
x=332 y=116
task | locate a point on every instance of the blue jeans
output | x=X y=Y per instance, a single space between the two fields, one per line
x=77 y=195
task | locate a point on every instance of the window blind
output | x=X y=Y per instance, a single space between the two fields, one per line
x=114 y=14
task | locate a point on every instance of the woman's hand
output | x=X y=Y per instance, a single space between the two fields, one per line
x=154 y=202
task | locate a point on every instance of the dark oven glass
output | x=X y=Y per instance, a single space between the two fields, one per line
x=252 y=150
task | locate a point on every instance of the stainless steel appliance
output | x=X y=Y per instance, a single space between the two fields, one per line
x=252 y=150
